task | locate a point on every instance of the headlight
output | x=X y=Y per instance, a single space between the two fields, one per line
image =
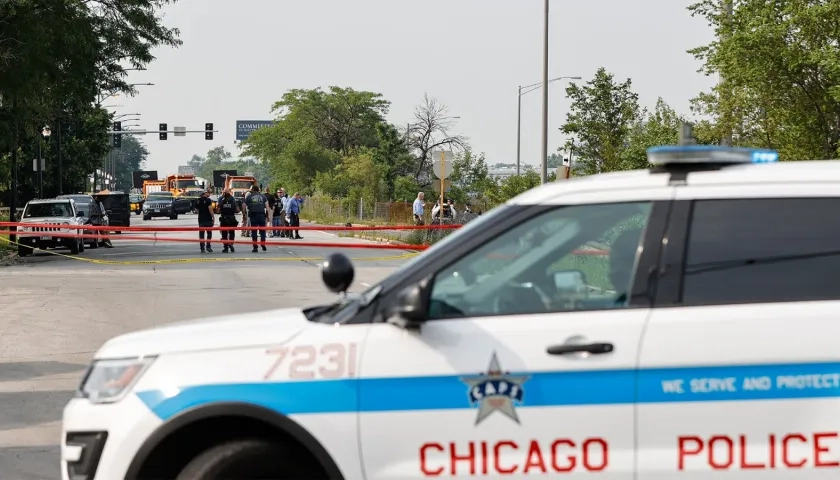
x=107 y=381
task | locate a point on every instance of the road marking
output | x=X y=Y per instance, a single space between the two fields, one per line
x=364 y=284
x=327 y=233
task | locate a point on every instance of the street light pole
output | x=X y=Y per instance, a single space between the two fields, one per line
x=544 y=149
x=528 y=89
x=518 y=130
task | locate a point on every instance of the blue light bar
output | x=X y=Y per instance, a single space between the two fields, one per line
x=699 y=154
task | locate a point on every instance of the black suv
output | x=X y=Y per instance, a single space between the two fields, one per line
x=164 y=204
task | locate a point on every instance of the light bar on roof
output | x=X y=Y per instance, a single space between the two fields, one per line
x=699 y=154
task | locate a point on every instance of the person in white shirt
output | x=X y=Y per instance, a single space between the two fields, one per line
x=418 y=209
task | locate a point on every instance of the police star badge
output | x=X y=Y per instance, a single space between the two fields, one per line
x=495 y=391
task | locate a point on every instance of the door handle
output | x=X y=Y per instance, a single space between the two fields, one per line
x=599 y=348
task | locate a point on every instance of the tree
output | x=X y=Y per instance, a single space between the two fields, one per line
x=469 y=179
x=394 y=159
x=56 y=59
x=131 y=157
x=513 y=186
x=600 y=118
x=659 y=127
x=430 y=132
x=782 y=70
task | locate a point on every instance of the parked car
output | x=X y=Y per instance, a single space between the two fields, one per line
x=57 y=211
x=164 y=204
x=136 y=201
x=92 y=214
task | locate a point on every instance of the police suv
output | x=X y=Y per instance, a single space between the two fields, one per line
x=671 y=323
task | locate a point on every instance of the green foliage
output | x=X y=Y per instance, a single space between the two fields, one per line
x=356 y=177
x=58 y=60
x=600 y=117
x=660 y=127
x=782 y=69
x=513 y=186
x=469 y=179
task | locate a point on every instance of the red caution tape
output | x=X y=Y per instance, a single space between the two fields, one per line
x=116 y=228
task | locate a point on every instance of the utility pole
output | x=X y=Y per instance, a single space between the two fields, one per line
x=519 y=130
x=544 y=149
x=726 y=6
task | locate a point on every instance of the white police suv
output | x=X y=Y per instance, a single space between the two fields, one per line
x=674 y=323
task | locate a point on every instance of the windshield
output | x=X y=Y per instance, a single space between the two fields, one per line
x=43 y=210
x=135 y=198
x=241 y=184
x=367 y=296
x=182 y=184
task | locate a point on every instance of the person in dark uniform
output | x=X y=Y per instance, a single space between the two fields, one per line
x=257 y=205
x=272 y=201
x=227 y=207
x=205 y=219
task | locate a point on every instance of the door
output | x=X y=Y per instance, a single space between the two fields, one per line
x=740 y=376
x=526 y=364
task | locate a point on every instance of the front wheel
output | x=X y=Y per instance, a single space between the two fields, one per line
x=23 y=251
x=252 y=459
x=174 y=217
x=75 y=247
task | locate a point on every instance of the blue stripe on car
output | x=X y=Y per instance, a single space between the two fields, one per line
x=542 y=389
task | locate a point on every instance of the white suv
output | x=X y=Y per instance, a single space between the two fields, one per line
x=41 y=219
x=676 y=322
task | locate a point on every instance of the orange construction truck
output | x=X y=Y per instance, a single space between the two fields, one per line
x=240 y=185
x=150 y=186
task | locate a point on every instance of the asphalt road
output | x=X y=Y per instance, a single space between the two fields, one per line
x=58 y=310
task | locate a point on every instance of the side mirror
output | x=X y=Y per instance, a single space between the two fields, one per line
x=337 y=273
x=411 y=309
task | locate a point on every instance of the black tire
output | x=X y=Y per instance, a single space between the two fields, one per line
x=81 y=246
x=23 y=251
x=251 y=459
x=174 y=217
x=145 y=218
x=94 y=243
x=137 y=212
x=74 y=247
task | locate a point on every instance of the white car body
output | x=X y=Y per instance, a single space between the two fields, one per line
x=746 y=391
x=33 y=234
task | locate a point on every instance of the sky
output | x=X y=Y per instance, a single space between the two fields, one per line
x=240 y=56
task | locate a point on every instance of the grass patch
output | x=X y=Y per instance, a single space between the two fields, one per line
x=4 y=236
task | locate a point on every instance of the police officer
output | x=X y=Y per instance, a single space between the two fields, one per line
x=257 y=206
x=227 y=207
x=205 y=219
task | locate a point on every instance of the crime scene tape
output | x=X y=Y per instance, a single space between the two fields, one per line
x=325 y=228
x=208 y=259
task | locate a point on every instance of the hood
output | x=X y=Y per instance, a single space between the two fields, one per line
x=47 y=220
x=230 y=331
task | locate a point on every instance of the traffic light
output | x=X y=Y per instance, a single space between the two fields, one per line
x=162 y=128
x=208 y=131
x=116 y=139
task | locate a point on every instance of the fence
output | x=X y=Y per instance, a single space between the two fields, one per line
x=392 y=213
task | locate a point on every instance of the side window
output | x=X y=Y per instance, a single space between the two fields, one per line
x=762 y=250
x=579 y=257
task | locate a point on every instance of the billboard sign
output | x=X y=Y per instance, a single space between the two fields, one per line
x=141 y=176
x=219 y=177
x=244 y=128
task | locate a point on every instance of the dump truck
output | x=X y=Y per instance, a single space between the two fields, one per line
x=150 y=186
x=240 y=185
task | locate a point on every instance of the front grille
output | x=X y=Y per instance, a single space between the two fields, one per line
x=45 y=229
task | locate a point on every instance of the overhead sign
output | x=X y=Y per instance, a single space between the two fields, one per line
x=137 y=178
x=244 y=128
x=180 y=131
x=219 y=177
